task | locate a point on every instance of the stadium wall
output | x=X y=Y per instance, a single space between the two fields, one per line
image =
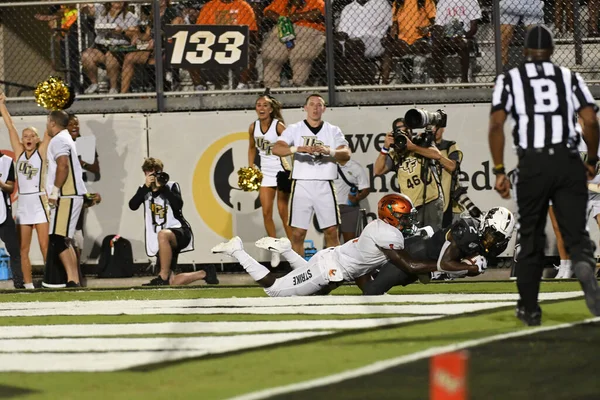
x=204 y=150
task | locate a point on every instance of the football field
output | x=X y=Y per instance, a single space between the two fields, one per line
x=234 y=342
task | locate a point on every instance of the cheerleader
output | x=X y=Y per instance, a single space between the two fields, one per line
x=32 y=205
x=264 y=132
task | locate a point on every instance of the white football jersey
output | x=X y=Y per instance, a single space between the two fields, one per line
x=363 y=254
x=307 y=166
x=270 y=164
x=63 y=145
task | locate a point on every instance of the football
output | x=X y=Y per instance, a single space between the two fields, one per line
x=469 y=260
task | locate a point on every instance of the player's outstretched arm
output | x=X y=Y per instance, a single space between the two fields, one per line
x=450 y=262
x=402 y=260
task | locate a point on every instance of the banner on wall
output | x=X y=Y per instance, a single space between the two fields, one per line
x=203 y=152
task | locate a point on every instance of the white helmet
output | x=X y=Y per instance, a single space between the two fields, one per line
x=496 y=230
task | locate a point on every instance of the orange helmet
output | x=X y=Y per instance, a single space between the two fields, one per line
x=397 y=210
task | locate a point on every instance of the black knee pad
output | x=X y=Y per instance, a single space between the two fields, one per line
x=59 y=243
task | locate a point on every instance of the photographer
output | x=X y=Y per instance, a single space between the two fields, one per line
x=413 y=157
x=448 y=168
x=167 y=231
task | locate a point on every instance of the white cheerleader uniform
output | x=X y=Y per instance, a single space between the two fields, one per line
x=32 y=204
x=270 y=164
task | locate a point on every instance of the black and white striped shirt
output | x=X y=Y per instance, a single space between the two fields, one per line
x=543 y=99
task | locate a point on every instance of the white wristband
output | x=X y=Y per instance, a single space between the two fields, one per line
x=293 y=149
x=332 y=151
x=54 y=193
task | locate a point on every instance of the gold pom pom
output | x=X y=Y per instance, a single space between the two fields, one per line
x=54 y=94
x=249 y=179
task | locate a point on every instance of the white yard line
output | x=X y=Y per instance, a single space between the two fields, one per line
x=106 y=308
x=91 y=330
x=289 y=301
x=383 y=365
x=116 y=354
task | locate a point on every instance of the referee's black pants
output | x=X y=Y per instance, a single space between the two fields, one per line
x=556 y=174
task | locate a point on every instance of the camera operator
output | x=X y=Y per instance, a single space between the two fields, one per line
x=167 y=231
x=448 y=169
x=414 y=164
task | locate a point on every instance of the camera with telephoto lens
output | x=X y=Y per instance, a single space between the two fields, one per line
x=417 y=118
x=400 y=135
x=161 y=178
x=460 y=196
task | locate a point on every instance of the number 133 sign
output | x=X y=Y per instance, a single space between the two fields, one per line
x=207 y=46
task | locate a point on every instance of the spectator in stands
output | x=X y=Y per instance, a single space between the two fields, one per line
x=144 y=41
x=412 y=20
x=114 y=26
x=454 y=31
x=62 y=20
x=564 y=8
x=593 y=12
x=361 y=27
x=190 y=12
x=530 y=12
x=351 y=186
x=229 y=12
x=307 y=16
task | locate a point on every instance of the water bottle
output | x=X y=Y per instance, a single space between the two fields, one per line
x=285 y=29
x=309 y=249
x=353 y=192
x=5 y=272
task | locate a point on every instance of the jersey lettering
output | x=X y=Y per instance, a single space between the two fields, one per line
x=311 y=141
x=158 y=210
x=303 y=277
x=27 y=169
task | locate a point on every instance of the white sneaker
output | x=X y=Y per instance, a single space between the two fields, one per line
x=273 y=244
x=275 y=260
x=230 y=247
x=560 y=270
x=93 y=88
x=113 y=91
x=564 y=272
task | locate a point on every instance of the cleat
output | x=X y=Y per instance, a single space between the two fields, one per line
x=211 y=275
x=274 y=244
x=229 y=247
x=564 y=272
x=529 y=318
x=589 y=284
x=275 y=259
x=158 y=281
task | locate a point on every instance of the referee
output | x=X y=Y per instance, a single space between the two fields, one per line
x=544 y=99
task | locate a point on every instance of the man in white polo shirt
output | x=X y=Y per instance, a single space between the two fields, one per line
x=361 y=26
x=317 y=145
x=65 y=187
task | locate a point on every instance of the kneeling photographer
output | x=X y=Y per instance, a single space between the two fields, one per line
x=167 y=231
x=414 y=157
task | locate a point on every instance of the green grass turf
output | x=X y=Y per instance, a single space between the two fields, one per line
x=231 y=374
x=212 y=292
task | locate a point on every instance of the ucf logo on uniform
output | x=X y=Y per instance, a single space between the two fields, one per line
x=26 y=169
x=311 y=141
x=264 y=145
x=158 y=210
x=409 y=165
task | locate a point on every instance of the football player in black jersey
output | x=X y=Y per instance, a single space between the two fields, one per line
x=468 y=238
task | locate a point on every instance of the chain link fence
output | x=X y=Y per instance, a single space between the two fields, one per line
x=352 y=50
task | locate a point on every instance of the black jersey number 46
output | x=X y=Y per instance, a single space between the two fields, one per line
x=207 y=46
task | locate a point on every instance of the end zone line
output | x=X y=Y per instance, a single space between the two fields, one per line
x=386 y=364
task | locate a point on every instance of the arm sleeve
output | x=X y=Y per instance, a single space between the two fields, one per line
x=287 y=136
x=340 y=139
x=11 y=173
x=60 y=147
x=502 y=97
x=581 y=94
x=173 y=196
x=363 y=179
x=390 y=238
x=138 y=198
